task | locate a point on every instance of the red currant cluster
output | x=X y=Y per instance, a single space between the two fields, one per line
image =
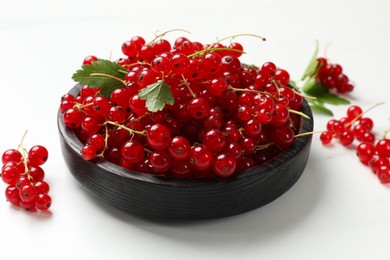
x=372 y=152
x=24 y=177
x=332 y=77
x=226 y=117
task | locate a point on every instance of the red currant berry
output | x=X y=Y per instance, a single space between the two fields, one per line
x=27 y=193
x=41 y=187
x=10 y=174
x=200 y=157
x=346 y=137
x=158 y=136
x=37 y=155
x=383 y=174
x=12 y=195
x=43 y=202
x=160 y=161
x=224 y=165
x=179 y=148
x=354 y=112
x=214 y=140
x=11 y=155
x=198 y=108
x=88 y=152
x=383 y=147
x=326 y=137
x=89 y=59
x=365 y=152
x=133 y=151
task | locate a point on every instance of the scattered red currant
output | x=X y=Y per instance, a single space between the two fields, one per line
x=23 y=175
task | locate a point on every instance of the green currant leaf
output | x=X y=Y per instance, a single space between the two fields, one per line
x=157 y=95
x=320 y=108
x=311 y=69
x=316 y=89
x=107 y=75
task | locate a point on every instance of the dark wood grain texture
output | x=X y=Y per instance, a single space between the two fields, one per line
x=158 y=197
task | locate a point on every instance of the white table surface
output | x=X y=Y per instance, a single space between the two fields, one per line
x=337 y=210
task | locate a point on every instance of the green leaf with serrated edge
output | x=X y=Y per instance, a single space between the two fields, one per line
x=310 y=70
x=157 y=95
x=320 y=108
x=316 y=89
x=106 y=68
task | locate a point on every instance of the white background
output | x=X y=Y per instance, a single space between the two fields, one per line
x=337 y=210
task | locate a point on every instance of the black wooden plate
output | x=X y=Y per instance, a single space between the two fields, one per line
x=158 y=197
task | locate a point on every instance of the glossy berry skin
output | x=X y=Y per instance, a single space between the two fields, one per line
x=158 y=136
x=200 y=157
x=365 y=152
x=198 y=108
x=88 y=152
x=346 y=138
x=12 y=195
x=383 y=174
x=179 y=148
x=133 y=151
x=27 y=193
x=224 y=165
x=89 y=59
x=10 y=174
x=160 y=161
x=326 y=137
x=11 y=155
x=37 y=155
x=43 y=202
x=214 y=140
x=383 y=147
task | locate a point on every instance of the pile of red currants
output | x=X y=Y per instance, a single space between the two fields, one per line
x=226 y=116
x=23 y=174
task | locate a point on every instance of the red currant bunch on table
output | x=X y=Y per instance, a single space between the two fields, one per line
x=224 y=118
x=371 y=151
x=24 y=177
x=332 y=77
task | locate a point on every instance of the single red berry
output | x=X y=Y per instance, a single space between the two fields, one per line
x=200 y=157
x=158 y=136
x=214 y=140
x=41 y=187
x=354 y=112
x=43 y=202
x=346 y=137
x=198 y=108
x=10 y=174
x=36 y=173
x=224 y=165
x=326 y=137
x=179 y=148
x=27 y=193
x=133 y=151
x=88 y=152
x=11 y=155
x=89 y=59
x=160 y=161
x=365 y=152
x=383 y=147
x=37 y=155
x=12 y=195
x=383 y=174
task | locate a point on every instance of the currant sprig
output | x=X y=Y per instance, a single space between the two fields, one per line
x=371 y=151
x=22 y=173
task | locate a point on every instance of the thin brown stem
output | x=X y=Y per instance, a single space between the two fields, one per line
x=166 y=32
